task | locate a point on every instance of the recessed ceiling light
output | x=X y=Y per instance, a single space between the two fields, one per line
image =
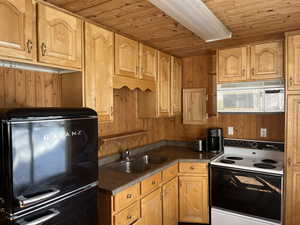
x=195 y=16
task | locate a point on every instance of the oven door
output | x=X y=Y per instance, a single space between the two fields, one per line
x=245 y=192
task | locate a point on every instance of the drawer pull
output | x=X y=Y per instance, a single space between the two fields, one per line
x=129 y=217
x=192 y=168
x=129 y=196
x=153 y=182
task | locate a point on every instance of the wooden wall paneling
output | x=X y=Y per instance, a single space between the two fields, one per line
x=71 y=95
x=30 y=89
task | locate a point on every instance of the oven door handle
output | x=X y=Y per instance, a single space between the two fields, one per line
x=40 y=220
x=24 y=202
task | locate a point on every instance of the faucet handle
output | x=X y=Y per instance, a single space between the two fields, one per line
x=125 y=154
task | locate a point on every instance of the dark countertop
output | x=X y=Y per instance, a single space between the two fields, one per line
x=113 y=181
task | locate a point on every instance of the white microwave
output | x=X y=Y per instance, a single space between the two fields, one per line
x=251 y=97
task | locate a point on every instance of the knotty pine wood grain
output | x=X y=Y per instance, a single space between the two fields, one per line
x=22 y=88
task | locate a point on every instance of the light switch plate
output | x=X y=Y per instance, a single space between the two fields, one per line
x=263 y=132
x=230 y=130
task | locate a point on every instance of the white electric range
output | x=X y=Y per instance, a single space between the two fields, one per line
x=246 y=183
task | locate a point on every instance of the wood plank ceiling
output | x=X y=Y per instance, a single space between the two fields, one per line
x=249 y=20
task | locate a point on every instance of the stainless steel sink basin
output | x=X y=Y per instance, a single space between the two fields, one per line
x=139 y=164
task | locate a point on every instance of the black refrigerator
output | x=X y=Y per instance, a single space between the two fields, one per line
x=48 y=166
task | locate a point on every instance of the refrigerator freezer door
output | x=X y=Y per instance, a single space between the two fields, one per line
x=49 y=159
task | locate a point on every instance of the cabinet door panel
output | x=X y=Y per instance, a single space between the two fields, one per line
x=99 y=71
x=126 y=53
x=193 y=199
x=152 y=208
x=266 y=61
x=176 y=86
x=60 y=37
x=170 y=202
x=232 y=65
x=293 y=62
x=194 y=106
x=164 y=76
x=16 y=25
x=148 y=63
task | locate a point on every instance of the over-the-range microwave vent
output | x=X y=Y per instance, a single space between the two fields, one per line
x=252 y=85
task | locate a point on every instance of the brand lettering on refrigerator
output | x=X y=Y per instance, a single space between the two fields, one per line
x=62 y=135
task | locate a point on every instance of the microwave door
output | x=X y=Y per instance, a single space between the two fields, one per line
x=240 y=101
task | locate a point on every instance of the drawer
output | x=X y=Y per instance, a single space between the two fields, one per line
x=170 y=173
x=126 y=197
x=194 y=167
x=129 y=215
x=150 y=183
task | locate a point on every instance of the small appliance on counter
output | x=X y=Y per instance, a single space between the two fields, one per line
x=199 y=145
x=215 y=140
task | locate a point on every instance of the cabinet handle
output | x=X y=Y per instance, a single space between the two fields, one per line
x=192 y=168
x=43 y=49
x=291 y=81
x=289 y=162
x=129 y=217
x=29 y=46
x=252 y=71
x=129 y=196
x=153 y=182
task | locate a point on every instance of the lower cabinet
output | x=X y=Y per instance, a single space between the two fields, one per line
x=170 y=202
x=152 y=208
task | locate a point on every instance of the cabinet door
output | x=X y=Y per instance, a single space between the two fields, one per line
x=126 y=53
x=176 y=86
x=59 y=37
x=194 y=106
x=293 y=62
x=148 y=63
x=164 y=76
x=232 y=65
x=152 y=208
x=16 y=25
x=266 y=61
x=193 y=199
x=170 y=202
x=99 y=55
x=292 y=207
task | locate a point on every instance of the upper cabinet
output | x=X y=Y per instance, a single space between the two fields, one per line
x=99 y=69
x=127 y=55
x=164 y=79
x=232 y=65
x=17 y=26
x=293 y=60
x=176 y=86
x=266 y=61
x=59 y=38
x=148 y=63
x=262 y=61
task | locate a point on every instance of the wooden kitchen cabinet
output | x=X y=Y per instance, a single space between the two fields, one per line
x=176 y=86
x=232 y=64
x=193 y=199
x=126 y=57
x=163 y=86
x=151 y=207
x=148 y=63
x=99 y=70
x=194 y=106
x=266 y=61
x=59 y=38
x=170 y=202
x=17 y=29
x=292 y=60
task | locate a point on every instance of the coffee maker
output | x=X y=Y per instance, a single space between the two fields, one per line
x=215 y=140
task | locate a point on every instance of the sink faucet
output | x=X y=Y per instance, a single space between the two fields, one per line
x=125 y=155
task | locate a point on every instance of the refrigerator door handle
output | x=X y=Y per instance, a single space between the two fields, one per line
x=40 y=220
x=24 y=202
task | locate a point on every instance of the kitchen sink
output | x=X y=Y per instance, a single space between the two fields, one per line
x=139 y=164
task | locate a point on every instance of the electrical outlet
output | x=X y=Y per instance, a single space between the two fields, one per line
x=230 y=130
x=263 y=132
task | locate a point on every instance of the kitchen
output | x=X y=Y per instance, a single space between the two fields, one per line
x=193 y=121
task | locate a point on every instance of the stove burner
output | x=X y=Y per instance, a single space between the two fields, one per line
x=234 y=158
x=264 y=166
x=227 y=161
x=269 y=161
